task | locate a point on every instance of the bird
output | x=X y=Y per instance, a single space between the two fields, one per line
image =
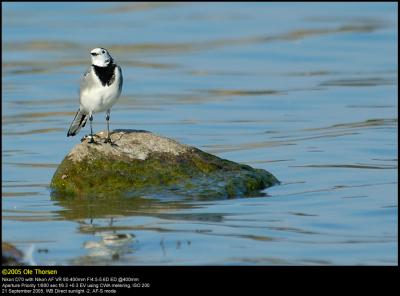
x=100 y=88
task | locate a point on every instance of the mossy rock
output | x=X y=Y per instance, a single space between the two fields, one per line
x=140 y=163
x=10 y=255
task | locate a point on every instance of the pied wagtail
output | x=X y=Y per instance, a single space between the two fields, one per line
x=100 y=88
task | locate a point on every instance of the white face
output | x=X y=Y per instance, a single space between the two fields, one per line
x=100 y=57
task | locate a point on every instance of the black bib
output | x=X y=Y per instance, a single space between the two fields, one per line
x=105 y=74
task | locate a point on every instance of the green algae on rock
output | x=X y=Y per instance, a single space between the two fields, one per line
x=144 y=164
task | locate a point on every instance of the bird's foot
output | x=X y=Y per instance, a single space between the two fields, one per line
x=91 y=139
x=108 y=140
x=93 y=142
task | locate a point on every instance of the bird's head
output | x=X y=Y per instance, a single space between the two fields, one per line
x=100 y=57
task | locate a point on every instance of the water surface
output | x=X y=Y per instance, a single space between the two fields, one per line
x=305 y=91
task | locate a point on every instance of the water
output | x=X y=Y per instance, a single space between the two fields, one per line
x=305 y=91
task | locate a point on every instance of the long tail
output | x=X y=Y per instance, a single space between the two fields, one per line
x=78 y=122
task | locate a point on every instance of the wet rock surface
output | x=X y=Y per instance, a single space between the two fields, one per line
x=140 y=163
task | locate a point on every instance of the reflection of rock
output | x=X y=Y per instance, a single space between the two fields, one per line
x=101 y=207
x=114 y=206
x=141 y=163
x=10 y=255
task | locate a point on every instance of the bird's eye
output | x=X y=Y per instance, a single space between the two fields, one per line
x=103 y=51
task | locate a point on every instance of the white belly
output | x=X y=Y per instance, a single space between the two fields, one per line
x=99 y=99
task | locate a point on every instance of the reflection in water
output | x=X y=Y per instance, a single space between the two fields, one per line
x=372 y=81
x=365 y=26
x=33 y=165
x=351 y=166
x=101 y=207
x=36 y=131
x=233 y=92
x=386 y=122
x=111 y=246
x=308 y=93
x=136 y=7
x=11 y=194
x=31 y=117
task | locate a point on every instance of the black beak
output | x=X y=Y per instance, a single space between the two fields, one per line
x=93 y=54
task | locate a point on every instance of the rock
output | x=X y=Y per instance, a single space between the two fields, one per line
x=10 y=255
x=140 y=163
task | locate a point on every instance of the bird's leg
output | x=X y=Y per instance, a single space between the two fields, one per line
x=108 y=139
x=91 y=129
